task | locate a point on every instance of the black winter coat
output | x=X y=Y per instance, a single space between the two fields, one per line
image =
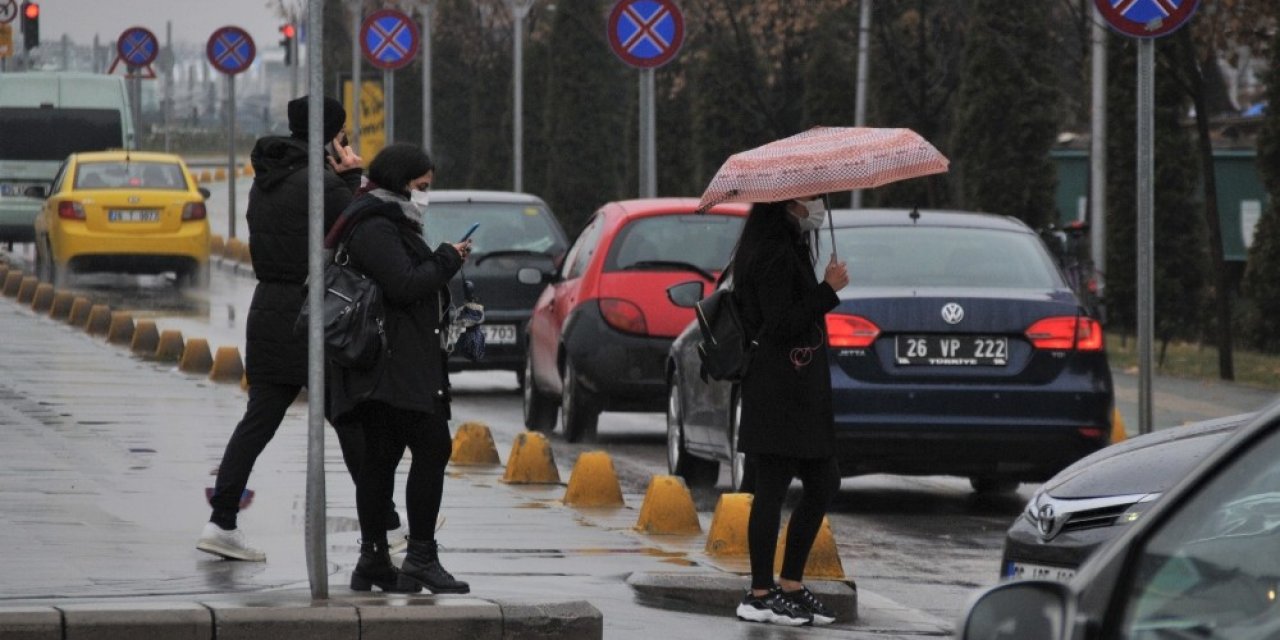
x=412 y=372
x=786 y=410
x=277 y=214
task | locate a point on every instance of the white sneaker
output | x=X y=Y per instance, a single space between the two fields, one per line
x=227 y=544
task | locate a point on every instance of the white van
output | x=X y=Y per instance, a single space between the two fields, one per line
x=45 y=117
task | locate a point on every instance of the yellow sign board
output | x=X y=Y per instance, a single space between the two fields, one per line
x=373 y=120
x=6 y=41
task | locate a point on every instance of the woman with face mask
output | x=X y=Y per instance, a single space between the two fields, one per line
x=403 y=401
x=787 y=427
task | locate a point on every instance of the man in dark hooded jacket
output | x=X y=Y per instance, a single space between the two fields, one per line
x=275 y=354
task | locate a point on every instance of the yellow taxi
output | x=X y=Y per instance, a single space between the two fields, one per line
x=124 y=212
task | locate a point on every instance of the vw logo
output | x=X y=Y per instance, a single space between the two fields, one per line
x=952 y=313
x=1045 y=520
x=134 y=199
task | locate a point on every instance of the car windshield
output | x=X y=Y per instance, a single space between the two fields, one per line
x=704 y=241
x=129 y=175
x=54 y=134
x=514 y=226
x=917 y=256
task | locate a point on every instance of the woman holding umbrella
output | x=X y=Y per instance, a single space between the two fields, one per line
x=787 y=428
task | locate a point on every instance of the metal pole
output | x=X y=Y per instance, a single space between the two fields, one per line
x=427 y=11
x=293 y=54
x=389 y=103
x=231 y=156
x=167 y=108
x=648 y=160
x=1146 y=227
x=860 y=97
x=317 y=560
x=1098 y=155
x=519 y=11
x=357 y=84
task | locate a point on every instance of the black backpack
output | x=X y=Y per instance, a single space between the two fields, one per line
x=354 y=320
x=725 y=349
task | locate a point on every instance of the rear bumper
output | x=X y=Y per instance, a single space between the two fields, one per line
x=86 y=250
x=625 y=372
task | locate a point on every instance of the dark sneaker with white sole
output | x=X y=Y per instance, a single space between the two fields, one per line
x=773 y=608
x=822 y=614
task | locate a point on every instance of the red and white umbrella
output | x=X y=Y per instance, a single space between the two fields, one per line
x=823 y=160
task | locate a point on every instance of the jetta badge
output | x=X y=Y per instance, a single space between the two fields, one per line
x=1045 y=520
x=952 y=313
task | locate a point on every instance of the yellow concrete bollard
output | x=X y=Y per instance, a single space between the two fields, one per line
x=171 y=346
x=593 y=482
x=79 y=314
x=1118 y=432
x=61 y=308
x=668 y=508
x=227 y=366
x=99 y=321
x=728 y=535
x=824 y=559
x=220 y=174
x=242 y=254
x=121 y=329
x=196 y=357
x=42 y=301
x=216 y=246
x=12 y=283
x=531 y=461
x=248 y=169
x=244 y=381
x=4 y=270
x=146 y=337
x=27 y=289
x=205 y=176
x=473 y=445
x=231 y=250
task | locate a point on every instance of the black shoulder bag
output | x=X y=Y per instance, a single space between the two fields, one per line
x=725 y=349
x=354 y=320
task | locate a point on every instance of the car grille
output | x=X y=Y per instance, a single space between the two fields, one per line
x=1054 y=516
x=1095 y=518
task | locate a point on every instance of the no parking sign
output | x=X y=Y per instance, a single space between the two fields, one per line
x=646 y=33
x=1146 y=18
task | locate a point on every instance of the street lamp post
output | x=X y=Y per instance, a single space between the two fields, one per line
x=519 y=11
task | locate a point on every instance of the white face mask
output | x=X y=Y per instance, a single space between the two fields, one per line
x=817 y=215
x=420 y=198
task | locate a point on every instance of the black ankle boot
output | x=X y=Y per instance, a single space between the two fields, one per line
x=422 y=568
x=375 y=568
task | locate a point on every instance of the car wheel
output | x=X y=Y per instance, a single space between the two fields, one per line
x=578 y=410
x=43 y=263
x=539 y=410
x=697 y=472
x=740 y=474
x=993 y=486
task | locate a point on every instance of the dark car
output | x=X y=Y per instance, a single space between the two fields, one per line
x=1201 y=563
x=517 y=231
x=1093 y=500
x=957 y=349
x=601 y=330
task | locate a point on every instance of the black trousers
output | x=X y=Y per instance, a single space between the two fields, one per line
x=387 y=431
x=267 y=406
x=773 y=475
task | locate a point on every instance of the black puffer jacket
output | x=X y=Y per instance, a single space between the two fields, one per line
x=277 y=214
x=412 y=373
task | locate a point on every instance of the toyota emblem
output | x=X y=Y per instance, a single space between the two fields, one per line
x=1045 y=520
x=952 y=313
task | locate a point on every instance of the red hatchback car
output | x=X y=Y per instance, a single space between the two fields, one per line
x=600 y=332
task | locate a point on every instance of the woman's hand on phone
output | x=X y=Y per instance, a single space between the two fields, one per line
x=463 y=248
x=346 y=158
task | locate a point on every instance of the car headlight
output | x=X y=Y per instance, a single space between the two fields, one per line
x=1137 y=509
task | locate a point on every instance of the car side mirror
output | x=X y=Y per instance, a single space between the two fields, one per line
x=204 y=193
x=1031 y=609
x=685 y=294
x=529 y=275
x=37 y=191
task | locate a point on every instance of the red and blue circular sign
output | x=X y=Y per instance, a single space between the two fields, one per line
x=1146 y=18
x=137 y=46
x=231 y=50
x=389 y=39
x=646 y=33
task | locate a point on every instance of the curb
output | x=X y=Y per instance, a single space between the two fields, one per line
x=720 y=593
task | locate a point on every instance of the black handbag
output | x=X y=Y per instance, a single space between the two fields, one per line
x=354 y=320
x=725 y=349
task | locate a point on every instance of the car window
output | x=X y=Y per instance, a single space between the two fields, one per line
x=130 y=175
x=703 y=240
x=915 y=256
x=1213 y=569
x=59 y=179
x=503 y=226
x=584 y=248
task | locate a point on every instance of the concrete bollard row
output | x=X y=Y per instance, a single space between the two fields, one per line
x=78 y=316
x=668 y=508
x=61 y=308
x=27 y=289
x=12 y=282
x=171 y=346
x=146 y=338
x=99 y=321
x=121 y=328
x=196 y=357
x=227 y=365
x=42 y=301
x=594 y=483
x=473 y=445
x=531 y=461
x=216 y=245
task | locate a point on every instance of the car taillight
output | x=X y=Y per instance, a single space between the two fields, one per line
x=1092 y=433
x=194 y=211
x=850 y=331
x=68 y=210
x=623 y=315
x=1066 y=332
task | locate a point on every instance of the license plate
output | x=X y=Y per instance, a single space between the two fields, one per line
x=499 y=333
x=133 y=215
x=1028 y=571
x=952 y=351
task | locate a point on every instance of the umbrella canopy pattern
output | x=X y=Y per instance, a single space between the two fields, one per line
x=823 y=160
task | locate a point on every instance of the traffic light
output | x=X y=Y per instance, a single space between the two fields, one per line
x=30 y=25
x=288 y=32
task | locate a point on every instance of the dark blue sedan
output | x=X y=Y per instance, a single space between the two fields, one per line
x=957 y=349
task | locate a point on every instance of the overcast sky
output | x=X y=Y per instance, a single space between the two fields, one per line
x=193 y=20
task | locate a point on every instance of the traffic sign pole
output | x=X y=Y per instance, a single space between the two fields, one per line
x=357 y=83
x=519 y=11
x=231 y=156
x=427 y=12
x=1146 y=228
x=231 y=50
x=648 y=137
x=389 y=103
x=314 y=529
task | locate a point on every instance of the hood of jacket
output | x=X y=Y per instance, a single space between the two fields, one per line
x=275 y=158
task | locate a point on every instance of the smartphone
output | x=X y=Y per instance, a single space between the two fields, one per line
x=465 y=236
